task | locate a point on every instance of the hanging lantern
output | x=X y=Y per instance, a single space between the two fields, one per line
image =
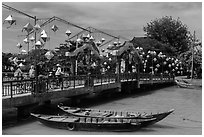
x=102 y=40
x=98 y=43
x=68 y=32
x=146 y=61
x=91 y=38
x=38 y=43
x=165 y=62
x=54 y=28
x=88 y=36
x=147 y=56
x=105 y=63
x=37 y=28
x=43 y=32
x=23 y=51
x=21 y=65
x=144 y=70
x=84 y=36
x=10 y=21
x=155 y=59
x=78 y=40
x=19 y=45
x=115 y=43
x=49 y=55
x=25 y=40
x=32 y=39
x=173 y=64
x=169 y=65
x=44 y=37
x=28 y=27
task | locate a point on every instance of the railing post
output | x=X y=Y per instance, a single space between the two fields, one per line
x=62 y=86
x=11 y=89
x=101 y=78
x=74 y=80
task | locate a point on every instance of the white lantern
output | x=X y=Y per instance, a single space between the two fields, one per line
x=54 y=28
x=68 y=32
x=9 y=20
x=155 y=59
x=25 y=40
x=19 y=45
x=44 y=37
x=23 y=51
x=49 y=55
x=37 y=28
x=102 y=40
x=32 y=39
x=38 y=43
x=28 y=27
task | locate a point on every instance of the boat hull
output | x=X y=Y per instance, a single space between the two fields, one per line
x=158 y=116
x=73 y=123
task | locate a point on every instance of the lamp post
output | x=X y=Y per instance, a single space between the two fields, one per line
x=152 y=53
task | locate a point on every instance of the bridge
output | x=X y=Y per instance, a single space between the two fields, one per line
x=20 y=93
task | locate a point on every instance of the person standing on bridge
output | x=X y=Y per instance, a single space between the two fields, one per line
x=18 y=74
x=32 y=72
x=58 y=74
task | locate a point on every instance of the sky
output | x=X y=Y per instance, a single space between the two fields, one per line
x=126 y=19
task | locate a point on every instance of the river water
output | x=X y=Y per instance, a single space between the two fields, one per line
x=185 y=120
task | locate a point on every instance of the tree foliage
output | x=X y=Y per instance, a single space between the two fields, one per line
x=169 y=31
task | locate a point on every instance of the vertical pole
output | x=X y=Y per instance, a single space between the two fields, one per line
x=35 y=61
x=192 y=48
x=11 y=89
x=76 y=60
x=28 y=41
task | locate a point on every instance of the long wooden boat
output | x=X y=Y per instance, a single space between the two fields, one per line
x=86 y=112
x=92 y=124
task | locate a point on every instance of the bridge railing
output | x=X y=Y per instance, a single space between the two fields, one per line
x=10 y=88
x=128 y=76
x=17 y=87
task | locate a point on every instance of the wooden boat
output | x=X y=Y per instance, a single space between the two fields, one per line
x=184 y=84
x=86 y=112
x=92 y=124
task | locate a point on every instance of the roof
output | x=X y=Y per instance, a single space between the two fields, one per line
x=129 y=46
x=82 y=48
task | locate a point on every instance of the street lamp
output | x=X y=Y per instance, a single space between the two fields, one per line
x=152 y=53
